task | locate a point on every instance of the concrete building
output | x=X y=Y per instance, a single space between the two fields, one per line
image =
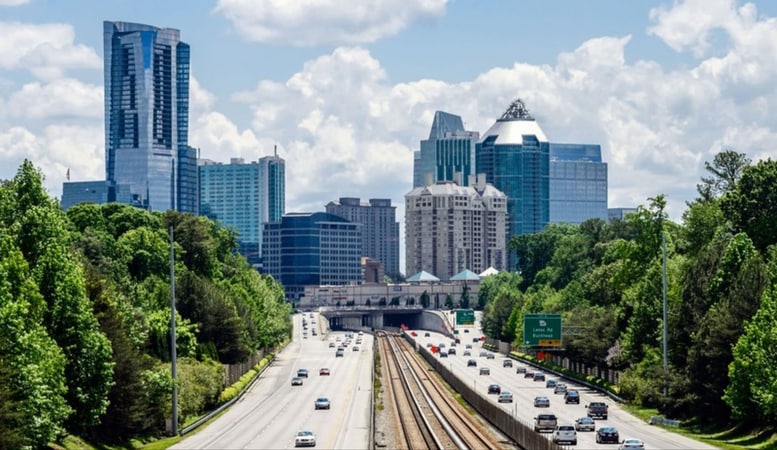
x=449 y=150
x=450 y=228
x=306 y=249
x=380 y=229
x=243 y=195
x=578 y=183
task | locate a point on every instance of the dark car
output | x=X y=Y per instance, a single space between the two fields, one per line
x=597 y=410
x=572 y=397
x=494 y=389
x=472 y=363
x=607 y=435
x=302 y=373
x=528 y=374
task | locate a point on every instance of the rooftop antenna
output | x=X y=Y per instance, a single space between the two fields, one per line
x=275 y=150
x=517 y=110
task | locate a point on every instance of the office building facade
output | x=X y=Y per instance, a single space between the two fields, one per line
x=305 y=249
x=380 y=229
x=244 y=196
x=515 y=156
x=146 y=71
x=450 y=150
x=450 y=228
x=75 y=192
x=578 y=183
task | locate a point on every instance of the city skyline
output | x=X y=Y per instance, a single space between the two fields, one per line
x=661 y=88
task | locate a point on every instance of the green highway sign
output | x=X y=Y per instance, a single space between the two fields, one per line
x=465 y=317
x=542 y=330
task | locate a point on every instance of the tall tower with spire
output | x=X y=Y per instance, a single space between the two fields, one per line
x=514 y=155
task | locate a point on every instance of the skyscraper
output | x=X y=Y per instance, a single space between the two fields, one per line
x=147 y=116
x=244 y=196
x=380 y=229
x=578 y=183
x=450 y=150
x=514 y=155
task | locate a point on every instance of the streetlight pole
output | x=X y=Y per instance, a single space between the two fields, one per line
x=173 y=355
x=666 y=325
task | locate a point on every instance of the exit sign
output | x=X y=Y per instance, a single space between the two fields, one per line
x=542 y=330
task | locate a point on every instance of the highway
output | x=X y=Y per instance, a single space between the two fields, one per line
x=272 y=411
x=524 y=390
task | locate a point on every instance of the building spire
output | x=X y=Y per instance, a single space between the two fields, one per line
x=517 y=110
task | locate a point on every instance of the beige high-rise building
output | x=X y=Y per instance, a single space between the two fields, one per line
x=450 y=228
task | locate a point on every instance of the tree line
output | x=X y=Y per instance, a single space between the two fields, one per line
x=606 y=280
x=85 y=316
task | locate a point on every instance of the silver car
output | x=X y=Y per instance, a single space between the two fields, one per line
x=585 y=424
x=541 y=401
x=305 y=439
x=323 y=403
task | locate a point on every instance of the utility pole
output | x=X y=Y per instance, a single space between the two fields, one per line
x=172 y=335
x=666 y=324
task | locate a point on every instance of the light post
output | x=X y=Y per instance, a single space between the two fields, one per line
x=666 y=325
x=172 y=335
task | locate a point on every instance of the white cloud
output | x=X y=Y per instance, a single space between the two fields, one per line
x=54 y=150
x=47 y=51
x=66 y=97
x=317 y=22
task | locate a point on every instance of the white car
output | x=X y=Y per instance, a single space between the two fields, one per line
x=565 y=433
x=305 y=438
x=631 y=444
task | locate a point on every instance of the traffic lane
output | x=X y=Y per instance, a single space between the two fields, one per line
x=524 y=390
x=270 y=414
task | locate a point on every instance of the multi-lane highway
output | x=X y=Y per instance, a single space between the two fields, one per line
x=525 y=390
x=271 y=413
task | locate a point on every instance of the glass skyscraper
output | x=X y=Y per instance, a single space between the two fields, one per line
x=578 y=183
x=147 y=116
x=244 y=196
x=450 y=150
x=514 y=154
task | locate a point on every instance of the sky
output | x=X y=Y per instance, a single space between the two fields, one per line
x=347 y=89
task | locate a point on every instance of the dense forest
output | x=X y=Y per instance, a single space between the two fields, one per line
x=606 y=280
x=85 y=316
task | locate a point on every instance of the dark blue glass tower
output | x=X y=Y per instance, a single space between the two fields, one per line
x=305 y=249
x=147 y=116
x=514 y=155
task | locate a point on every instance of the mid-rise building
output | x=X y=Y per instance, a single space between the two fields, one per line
x=305 y=249
x=619 y=213
x=578 y=183
x=450 y=228
x=515 y=156
x=146 y=71
x=380 y=229
x=75 y=192
x=244 y=196
x=449 y=150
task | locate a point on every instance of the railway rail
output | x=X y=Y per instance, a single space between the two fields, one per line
x=427 y=414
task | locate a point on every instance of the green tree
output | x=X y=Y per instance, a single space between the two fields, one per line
x=34 y=362
x=424 y=300
x=752 y=205
x=753 y=371
x=725 y=171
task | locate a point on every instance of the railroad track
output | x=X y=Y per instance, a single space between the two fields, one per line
x=427 y=414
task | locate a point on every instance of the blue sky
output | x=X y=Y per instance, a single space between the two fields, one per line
x=347 y=89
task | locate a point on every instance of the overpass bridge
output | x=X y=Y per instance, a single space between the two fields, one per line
x=380 y=317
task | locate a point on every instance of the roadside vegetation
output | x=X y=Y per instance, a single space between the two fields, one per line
x=85 y=318
x=606 y=281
